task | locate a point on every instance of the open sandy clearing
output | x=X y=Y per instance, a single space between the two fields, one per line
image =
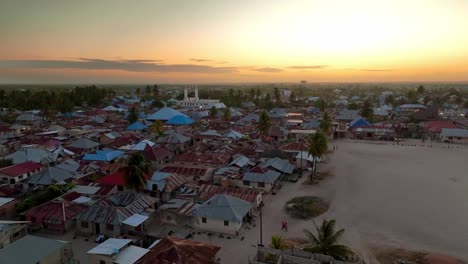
x=412 y=197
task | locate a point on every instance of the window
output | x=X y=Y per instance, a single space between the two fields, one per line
x=84 y=224
x=247 y=183
x=226 y=223
x=109 y=227
x=12 y=181
x=102 y=262
x=261 y=184
x=203 y=220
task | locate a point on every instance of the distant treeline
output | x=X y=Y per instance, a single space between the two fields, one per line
x=49 y=100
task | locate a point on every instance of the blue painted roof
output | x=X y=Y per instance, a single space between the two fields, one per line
x=164 y=113
x=136 y=126
x=359 y=122
x=180 y=120
x=103 y=155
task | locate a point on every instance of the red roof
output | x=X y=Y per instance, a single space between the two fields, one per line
x=71 y=196
x=117 y=178
x=52 y=212
x=20 y=169
x=212 y=158
x=259 y=170
x=156 y=153
x=180 y=251
x=206 y=191
x=436 y=126
x=185 y=171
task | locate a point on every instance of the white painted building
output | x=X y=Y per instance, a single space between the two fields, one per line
x=196 y=102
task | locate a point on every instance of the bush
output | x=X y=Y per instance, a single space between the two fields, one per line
x=306 y=207
x=42 y=196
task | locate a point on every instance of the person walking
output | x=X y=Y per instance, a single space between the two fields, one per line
x=284 y=226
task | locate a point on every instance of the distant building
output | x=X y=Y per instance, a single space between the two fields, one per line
x=196 y=102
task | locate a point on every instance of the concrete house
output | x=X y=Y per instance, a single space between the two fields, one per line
x=222 y=214
x=115 y=250
x=34 y=249
x=19 y=172
x=260 y=178
x=107 y=216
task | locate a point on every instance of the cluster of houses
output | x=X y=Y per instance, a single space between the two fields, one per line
x=207 y=173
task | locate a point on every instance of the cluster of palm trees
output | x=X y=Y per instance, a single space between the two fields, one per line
x=325 y=241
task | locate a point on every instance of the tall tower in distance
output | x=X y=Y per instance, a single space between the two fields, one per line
x=196 y=93
x=185 y=94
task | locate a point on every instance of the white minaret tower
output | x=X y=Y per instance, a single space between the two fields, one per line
x=196 y=93
x=185 y=94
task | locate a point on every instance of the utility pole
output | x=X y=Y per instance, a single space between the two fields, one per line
x=261 y=226
x=300 y=149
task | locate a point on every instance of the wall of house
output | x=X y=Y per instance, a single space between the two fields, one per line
x=53 y=258
x=91 y=229
x=8 y=211
x=455 y=140
x=95 y=259
x=217 y=226
x=12 y=234
x=255 y=185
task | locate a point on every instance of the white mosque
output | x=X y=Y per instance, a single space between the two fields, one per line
x=196 y=102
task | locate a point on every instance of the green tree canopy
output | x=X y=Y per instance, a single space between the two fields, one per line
x=132 y=115
x=213 y=112
x=264 y=124
x=136 y=170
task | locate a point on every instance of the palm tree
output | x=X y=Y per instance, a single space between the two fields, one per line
x=213 y=112
x=277 y=242
x=132 y=115
x=326 y=241
x=318 y=146
x=157 y=127
x=135 y=171
x=227 y=114
x=325 y=123
x=264 y=124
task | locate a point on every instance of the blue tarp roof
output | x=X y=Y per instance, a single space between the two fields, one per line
x=164 y=113
x=136 y=126
x=359 y=122
x=103 y=155
x=180 y=120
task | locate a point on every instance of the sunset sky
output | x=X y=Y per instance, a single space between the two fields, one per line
x=216 y=41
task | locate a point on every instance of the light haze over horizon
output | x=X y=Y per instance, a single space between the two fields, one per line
x=113 y=41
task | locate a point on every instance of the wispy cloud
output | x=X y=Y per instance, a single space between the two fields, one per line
x=120 y=64
x=376 y=70
x=307 y=67
x=370 y=70
x=200 y=60
x=268 y=69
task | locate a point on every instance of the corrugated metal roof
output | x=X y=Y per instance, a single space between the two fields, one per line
x=135 y=220
x=30 y=249
x=224 y=207
x=206 y=191
x=180 y=251
x=110 y=247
